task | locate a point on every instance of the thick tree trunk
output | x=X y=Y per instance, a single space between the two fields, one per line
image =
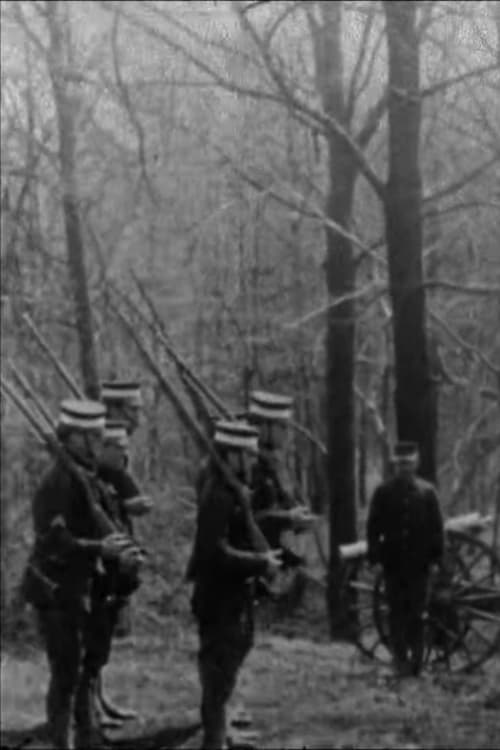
x=414 y=399
x=340 y=278
x=64 y=103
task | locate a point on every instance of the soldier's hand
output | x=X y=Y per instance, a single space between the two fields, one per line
x=274 y=561
x=302 y=518
x=113 y=544
x=138 y=506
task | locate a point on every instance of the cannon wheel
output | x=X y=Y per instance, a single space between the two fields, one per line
x=366 y=608
x=463 y=620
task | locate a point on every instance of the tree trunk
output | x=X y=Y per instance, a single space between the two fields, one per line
x=340 y=278
x=58 y=23
x=414 y=399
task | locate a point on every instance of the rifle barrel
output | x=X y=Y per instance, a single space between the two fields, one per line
x=181 y=364
x=189 y=421
x=44 y=412
x=63 y=372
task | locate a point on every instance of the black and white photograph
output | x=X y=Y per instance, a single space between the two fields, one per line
x=250 y=374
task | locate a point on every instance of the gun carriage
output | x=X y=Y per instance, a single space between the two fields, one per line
x=463 y=612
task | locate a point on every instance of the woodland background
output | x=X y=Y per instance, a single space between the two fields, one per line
x=208 y=146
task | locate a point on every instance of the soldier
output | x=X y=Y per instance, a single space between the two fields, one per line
x=107 y=603
x=405 y=536
x=70 y=547
x=275 y=510
x=123 y=402
x=224 y=566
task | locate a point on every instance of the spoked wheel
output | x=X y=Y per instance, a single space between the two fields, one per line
x=464 y=607
x=368 y=610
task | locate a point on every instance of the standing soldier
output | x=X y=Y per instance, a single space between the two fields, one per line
x=123 y=402
x=108 y=601
x=405 y=536
x=71 y=547
x=224 y=566
x=275 y=510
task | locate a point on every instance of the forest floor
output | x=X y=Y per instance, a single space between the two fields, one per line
x=300 y=693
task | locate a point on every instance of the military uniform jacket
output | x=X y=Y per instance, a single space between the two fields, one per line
x=67 y=535
x=224 y=555
x=405 y=526
x=123 y=486
x=268 y=495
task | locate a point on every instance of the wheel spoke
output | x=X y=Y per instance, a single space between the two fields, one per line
x=480 y=614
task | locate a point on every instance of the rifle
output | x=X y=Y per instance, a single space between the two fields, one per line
x=195 y=431
x=186 y=373
x=43 y=429
x=63 y=372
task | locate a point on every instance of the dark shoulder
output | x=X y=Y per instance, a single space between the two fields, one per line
x=216 y=492
x=57 y=477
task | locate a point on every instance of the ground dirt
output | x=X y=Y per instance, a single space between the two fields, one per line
x=301 y=694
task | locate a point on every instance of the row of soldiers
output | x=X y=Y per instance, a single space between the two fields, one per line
x=81 y=573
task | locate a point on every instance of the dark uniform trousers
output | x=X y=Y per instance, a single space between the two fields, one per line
x=407 y=600
x=68 y=635
x=226 y=637
x=223 y=567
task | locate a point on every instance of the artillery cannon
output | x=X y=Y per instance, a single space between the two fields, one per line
x=463 y=614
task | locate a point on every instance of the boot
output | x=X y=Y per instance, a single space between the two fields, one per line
x=87 y=731
x=60 y=732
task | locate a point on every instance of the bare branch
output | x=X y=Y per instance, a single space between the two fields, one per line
x=441 y=86
x=473 y=289
x=326 y=120
x=125 y=97
x=358 y=66
x=473 y=350
x=454 y=187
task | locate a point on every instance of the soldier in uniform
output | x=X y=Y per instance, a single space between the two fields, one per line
x=107 y=602
x=405 y=536
x=225 y=562
x=70 y=548
x=123 y=402
x=276 y=511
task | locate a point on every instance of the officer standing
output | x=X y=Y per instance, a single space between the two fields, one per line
x=70 y=547
x=223 y=567
x=406 y=537
x=275 y=510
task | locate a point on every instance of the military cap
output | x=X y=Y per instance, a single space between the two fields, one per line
x=82 y=414
x=236 y=434
x=404 y=451
x=121 y=390
x=270 y=406
x=115 y=431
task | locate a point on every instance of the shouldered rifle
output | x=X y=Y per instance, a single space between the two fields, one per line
x=196 y=432
x=63 y=372
x=44 y=430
